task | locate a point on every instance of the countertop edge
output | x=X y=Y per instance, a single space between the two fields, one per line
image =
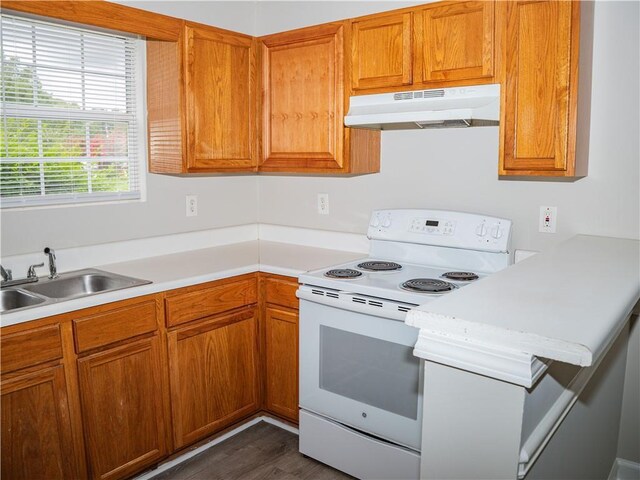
x=119 y=295
x=495 y=338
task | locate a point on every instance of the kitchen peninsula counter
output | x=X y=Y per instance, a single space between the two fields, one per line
x=566 y=304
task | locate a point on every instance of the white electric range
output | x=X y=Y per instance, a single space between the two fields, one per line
x=360 y=385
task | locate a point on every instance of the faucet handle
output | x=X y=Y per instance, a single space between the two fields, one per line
x=31 y=273
x=6 y=274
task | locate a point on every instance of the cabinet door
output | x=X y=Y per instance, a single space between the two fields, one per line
x=455 y=41
x=213 y=374
x=122 y=408
x=303 y=99
x=381 y=51
x=281 y=346
x=220 y=100
x=541 y=87
x=36 y=428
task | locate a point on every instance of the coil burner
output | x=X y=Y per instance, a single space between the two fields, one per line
x=343 y=273
x=379 y=266
x=427 y=285
x=460 y=276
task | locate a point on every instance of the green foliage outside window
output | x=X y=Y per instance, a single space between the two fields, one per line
x=59 y=139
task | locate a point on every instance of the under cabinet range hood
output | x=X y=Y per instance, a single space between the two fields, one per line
x=473 y=106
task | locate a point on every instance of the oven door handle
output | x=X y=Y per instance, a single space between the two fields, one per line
x=345 y=302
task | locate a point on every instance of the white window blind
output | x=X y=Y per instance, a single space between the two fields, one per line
x=71 y=115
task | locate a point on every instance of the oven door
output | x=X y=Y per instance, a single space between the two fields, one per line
x=359 y=370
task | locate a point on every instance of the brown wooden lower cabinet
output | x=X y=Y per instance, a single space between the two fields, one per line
x=213 y=366
x=122 y=408
x=281 y=358
x=107 y=374
x=280 y=345
x=36 y=427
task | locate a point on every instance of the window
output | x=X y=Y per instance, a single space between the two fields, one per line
x=72 y=115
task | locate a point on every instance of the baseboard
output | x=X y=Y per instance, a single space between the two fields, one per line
x=624 y=470
x=192 y=453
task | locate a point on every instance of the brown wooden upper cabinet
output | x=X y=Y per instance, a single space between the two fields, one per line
x=201 y=98
x=211 y=111
x=381 y=51
x=455 y=42
x=304 y=101
x=540 y=97
x=440 y=44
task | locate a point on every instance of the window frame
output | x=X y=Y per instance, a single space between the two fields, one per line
x=18 y=203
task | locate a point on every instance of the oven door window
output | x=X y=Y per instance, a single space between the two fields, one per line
x=369 y=370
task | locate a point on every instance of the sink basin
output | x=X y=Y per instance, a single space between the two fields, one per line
x=82 y=283
x=67 y=286
x=14 y=299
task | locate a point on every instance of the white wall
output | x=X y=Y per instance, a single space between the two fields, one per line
x=275 y=17
x=629 y=439
x=584 y=445
x=222 y=200
x=236 y=15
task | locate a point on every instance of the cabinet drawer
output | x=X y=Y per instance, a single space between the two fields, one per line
x=114 y=325
x=199 y=302
x=281 y=292
x=32 y=347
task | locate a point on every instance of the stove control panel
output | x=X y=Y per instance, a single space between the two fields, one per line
x=432 y=226
x=442 y=228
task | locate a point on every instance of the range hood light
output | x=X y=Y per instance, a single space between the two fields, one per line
x=462 y=123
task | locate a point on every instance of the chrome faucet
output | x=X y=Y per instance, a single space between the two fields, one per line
x=53 y=270
x=8 y=281
x=6 y=274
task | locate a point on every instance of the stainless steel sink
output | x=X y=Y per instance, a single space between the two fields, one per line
x=13 y=299
x=67 y=286
x=81 y=284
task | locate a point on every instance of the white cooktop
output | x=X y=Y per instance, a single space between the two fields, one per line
x=384 y=284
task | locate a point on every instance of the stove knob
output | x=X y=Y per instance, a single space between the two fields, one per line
x=481 y=230
x=375 y=222
x=386 y=222
x=496 y=232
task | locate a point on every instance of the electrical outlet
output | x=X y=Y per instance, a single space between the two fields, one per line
x=323 y=203
x=548 y=219
x=192 y=205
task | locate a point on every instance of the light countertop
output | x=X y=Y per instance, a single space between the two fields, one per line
x=198 y=266
x=565 y=304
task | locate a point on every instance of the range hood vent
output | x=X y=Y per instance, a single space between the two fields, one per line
x=458 y=107
x=419 y=94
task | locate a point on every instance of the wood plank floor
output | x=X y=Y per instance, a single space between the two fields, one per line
x=261 y=452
